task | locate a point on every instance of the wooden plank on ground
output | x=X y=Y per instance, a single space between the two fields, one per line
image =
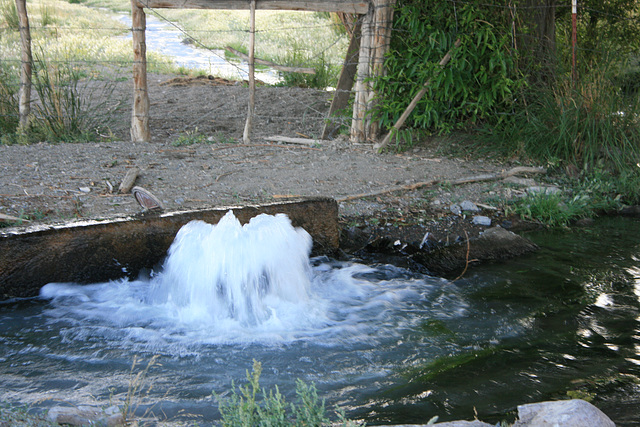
x=286 y=139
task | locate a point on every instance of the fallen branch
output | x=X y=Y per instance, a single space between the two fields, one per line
x=224 y=147
x=284 y=68
x=9 y=218
x=464 y=180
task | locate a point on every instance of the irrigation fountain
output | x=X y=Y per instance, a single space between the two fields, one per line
x=385 y=344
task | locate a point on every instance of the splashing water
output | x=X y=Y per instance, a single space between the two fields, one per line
x=229 y=273
x=229 y=283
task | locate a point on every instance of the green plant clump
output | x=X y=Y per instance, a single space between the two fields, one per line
x=245 y=409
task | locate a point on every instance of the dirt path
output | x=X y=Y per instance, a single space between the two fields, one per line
x=58 y=182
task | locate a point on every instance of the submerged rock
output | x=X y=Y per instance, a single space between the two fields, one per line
x=494 y=244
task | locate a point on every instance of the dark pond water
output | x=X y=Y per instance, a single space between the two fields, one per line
x=386 y=345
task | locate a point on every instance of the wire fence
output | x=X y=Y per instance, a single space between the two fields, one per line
x=51 y=25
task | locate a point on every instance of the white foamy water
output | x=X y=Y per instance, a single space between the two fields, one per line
x=228 y=284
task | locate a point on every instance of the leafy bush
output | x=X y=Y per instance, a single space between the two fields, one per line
x=243 y=409
x=476 y=85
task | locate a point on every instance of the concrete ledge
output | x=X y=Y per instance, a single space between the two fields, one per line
x=97 y=251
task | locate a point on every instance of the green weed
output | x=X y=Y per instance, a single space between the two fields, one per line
x=9 y=110
x=9 y=14
x=251 y=406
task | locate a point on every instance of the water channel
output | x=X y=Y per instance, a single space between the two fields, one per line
x=165 y=38
x=385 y=344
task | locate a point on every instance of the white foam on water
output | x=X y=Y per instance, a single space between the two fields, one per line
x=230 y=283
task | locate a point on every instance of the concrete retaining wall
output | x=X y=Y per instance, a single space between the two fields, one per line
x=97 y=251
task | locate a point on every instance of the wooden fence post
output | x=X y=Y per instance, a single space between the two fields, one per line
x=246 y=136
x=140 y=114
x=26 y=68
x=374 y=44
x=358 y=133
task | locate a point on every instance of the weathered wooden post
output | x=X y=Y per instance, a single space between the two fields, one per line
x=246 y=136
x=26 y=68
x=140 y=114
x=358 y=132
x=374 y=44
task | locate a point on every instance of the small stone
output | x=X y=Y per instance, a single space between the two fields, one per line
x=481 y=220
x=455 y=209
x=85 y=189
x=469 y=206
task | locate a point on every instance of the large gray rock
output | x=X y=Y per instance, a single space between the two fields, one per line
x=563 y=413
x=86 y=415
x=474 y=423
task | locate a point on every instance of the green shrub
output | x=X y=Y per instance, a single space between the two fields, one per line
x=71 y=105
x=244 y=409
x=476 y=85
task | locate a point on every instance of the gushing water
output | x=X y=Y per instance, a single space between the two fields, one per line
x=233 y=283
x=229 y=274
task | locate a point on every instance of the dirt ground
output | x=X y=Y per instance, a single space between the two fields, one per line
x=48 y=183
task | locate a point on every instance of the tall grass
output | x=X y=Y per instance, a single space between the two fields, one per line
x=588 y=128
x=9 y=87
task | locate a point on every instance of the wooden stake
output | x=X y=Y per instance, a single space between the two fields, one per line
x=246 y=136
x=140 y=114
x=26 y=69
x=358 y=133
x=380 y=146
x=345 y=82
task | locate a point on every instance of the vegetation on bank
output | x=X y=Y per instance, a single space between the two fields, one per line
x=510 y=89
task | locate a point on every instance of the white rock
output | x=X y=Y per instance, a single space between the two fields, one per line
x=565 y=413
x=469 y=206
x=481 y=220
x=86 y=415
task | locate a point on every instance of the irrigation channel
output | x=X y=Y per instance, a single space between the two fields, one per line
x=385 y=344
x=164 y=38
